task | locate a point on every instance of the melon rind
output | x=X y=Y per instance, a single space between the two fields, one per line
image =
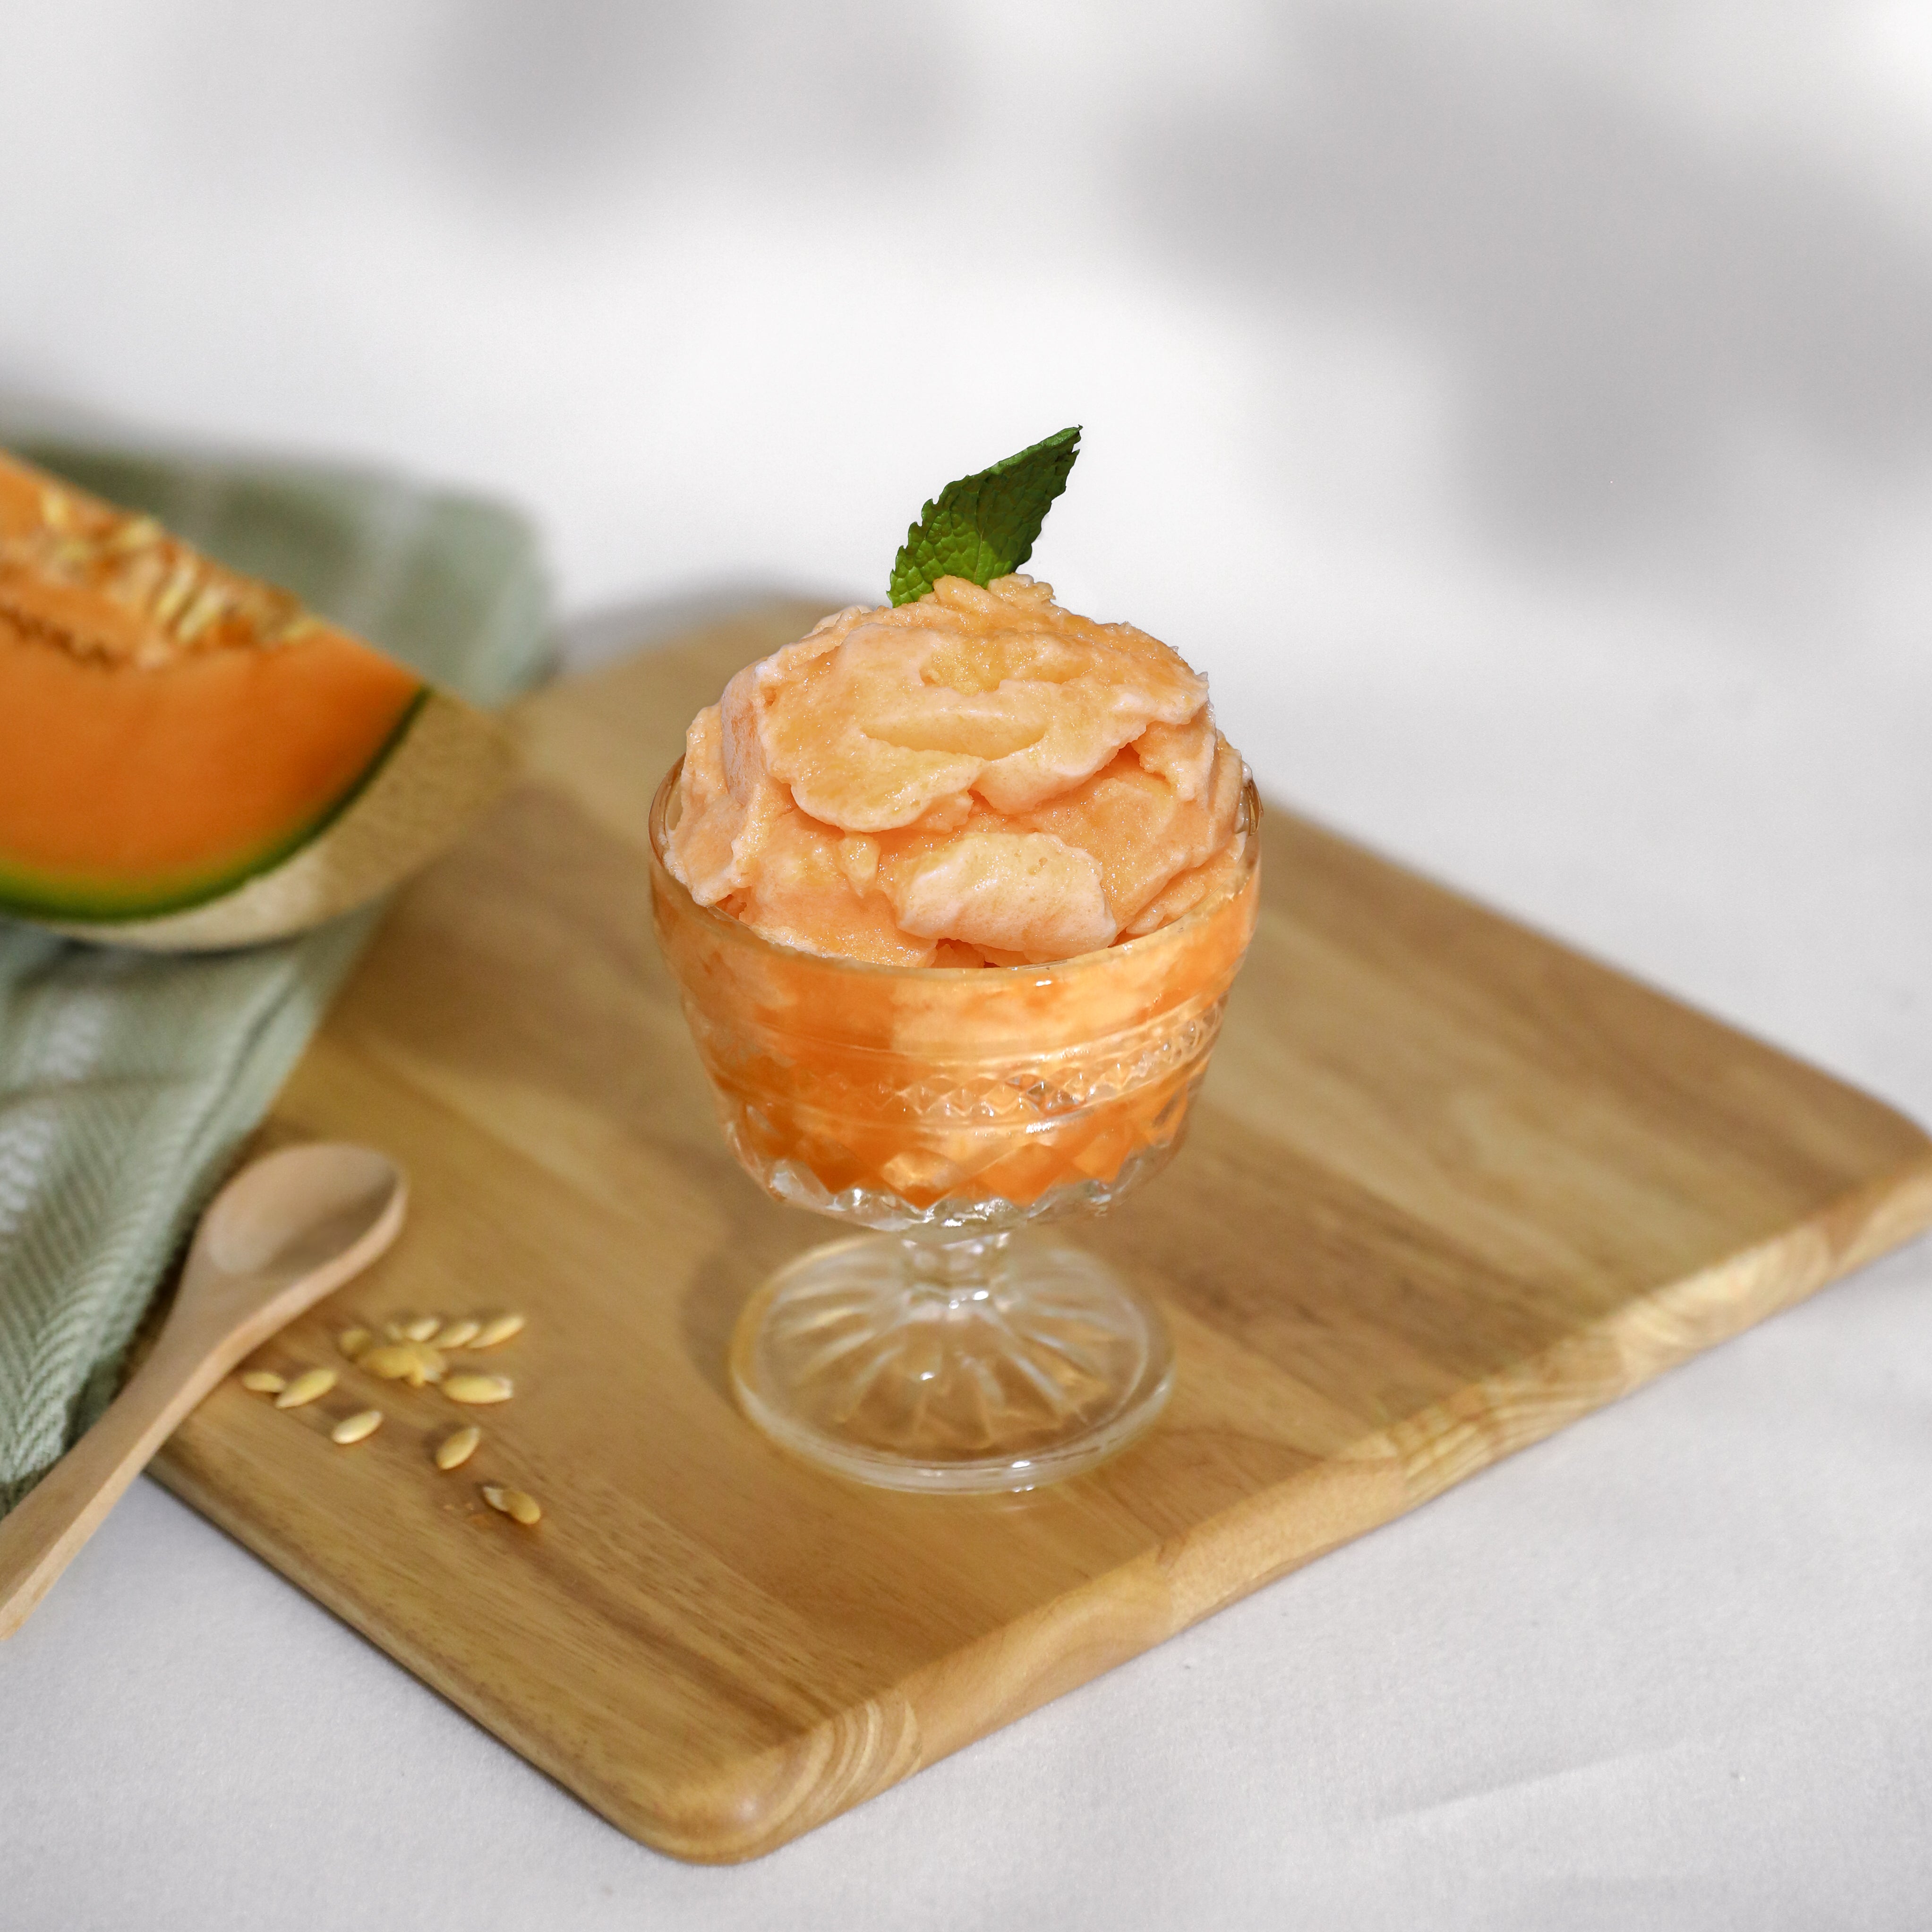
x=448 y=765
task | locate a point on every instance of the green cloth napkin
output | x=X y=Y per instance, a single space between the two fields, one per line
x=127 y=1080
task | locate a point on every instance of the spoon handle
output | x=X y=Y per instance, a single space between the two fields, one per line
x=289 y=1229
x=39 y=1538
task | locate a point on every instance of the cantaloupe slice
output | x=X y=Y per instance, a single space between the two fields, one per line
x=188 y=759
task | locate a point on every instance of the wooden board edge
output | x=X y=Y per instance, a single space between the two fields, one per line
x=1294 y=821
x=178 y=1475
x=754 y=1805
x=1522 y=1404
x=762 y=1803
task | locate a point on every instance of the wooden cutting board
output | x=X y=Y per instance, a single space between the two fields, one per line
x=1450 y=1186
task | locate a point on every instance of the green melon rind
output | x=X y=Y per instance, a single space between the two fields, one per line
x=37 y=898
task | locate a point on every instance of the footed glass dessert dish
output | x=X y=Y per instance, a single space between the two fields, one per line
x=951 y=1112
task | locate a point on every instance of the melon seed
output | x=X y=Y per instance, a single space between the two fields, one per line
x=453 y=1451
x=475 y=1389
x=354 y=1342
x=526 y=1509
x=415 y=1363
x=457 y=1334
x=422 y=1327
x=305 y=1388
x=263 y=1382
x=499 y=1328
x=176 y=592
x=356 y=1428
x=428 y=1366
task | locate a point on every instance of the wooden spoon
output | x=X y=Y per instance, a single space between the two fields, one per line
x=279 y=1237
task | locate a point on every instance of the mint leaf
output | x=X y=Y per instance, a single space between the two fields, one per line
x=983 y=525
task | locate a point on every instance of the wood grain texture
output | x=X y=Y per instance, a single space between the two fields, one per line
x=1450 y=1186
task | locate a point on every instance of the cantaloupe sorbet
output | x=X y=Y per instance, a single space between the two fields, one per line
x=980 y=778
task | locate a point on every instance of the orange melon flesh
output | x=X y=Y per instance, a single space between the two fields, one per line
x=126 y=792
x=169 y=729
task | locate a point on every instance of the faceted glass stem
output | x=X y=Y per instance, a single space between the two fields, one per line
x=993 y=1361
x=956 y=1272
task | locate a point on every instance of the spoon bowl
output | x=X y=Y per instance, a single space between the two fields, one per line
x=289 y=1229
x=293 y=1215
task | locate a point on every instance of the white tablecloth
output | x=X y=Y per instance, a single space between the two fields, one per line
x=1524 y=415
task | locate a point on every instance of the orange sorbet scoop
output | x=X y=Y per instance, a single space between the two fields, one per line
x=980 y=778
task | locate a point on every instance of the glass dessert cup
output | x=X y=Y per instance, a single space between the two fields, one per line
x=951 y=1112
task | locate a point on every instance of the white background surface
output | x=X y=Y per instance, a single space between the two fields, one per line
x=1525 y=415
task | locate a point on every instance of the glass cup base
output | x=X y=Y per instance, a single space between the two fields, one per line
x=997 y=1362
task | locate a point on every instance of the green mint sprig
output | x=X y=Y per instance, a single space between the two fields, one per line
x=983 y=525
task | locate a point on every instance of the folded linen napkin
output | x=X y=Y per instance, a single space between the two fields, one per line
x=127 y=1080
